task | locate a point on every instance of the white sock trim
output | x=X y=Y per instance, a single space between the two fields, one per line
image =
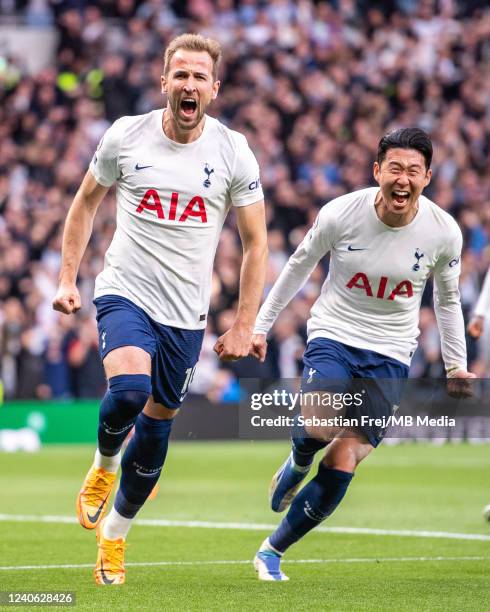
x=116 y=526
x=302 y=469
x=111 y=464
x=266 y=545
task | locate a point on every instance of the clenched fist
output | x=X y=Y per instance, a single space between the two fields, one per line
x=258 y=347
x=234 y=344
x=67 y=299
x=475 y=327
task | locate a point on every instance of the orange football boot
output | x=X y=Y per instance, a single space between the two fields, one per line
x=109 y=568
x=93 y=496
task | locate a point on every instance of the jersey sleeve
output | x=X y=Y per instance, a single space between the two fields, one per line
x=482 y=308
x=449 y=316
x=448 y=265
x=322 y=234
x=245 y=184
x=317 y=242
x=104 y=165
x=447 y=303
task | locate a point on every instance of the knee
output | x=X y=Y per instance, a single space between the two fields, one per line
x=130 y=392
x=310 y=427
x=158 y=411
x=345 y=461
x=321 y=434
x=345 y=454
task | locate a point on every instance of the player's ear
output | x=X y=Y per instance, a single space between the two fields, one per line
x=163 y=81
x=376 y=171
x=428 y=176
x=214 y=94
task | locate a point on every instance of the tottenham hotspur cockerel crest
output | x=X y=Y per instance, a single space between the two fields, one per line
x=208 y=171
x=418 y=256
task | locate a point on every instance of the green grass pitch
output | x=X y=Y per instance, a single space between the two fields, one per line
x=409 y=487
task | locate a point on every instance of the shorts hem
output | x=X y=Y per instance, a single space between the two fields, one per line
x=315 y=335
x=104 y=354
x=169 y=323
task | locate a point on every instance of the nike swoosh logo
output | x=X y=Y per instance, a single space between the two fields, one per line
x=119 y=431
x=138 y=167
x=146 y=475
x=105 y=580
x=95 y=517
x=351 y=248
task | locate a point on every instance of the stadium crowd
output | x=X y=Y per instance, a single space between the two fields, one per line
x=313 y=86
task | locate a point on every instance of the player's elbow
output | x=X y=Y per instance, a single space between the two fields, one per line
x=448 y=301
x=257 y=249
x=447 y=297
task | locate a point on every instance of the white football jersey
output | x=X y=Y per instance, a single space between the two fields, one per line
x=172 y=200
x=371 y=297
x=482 y=308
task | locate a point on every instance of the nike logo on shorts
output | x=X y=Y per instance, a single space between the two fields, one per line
x=138 y=167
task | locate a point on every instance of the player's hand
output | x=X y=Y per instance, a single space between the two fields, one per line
x=475 y=327
x=67 y=299
x=460 y=385
x=258 y=347
x=234 y=344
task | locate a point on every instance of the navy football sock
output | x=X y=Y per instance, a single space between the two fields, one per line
x=304 y=447
x=142 y=463
x=124 y=400
x=317 y=500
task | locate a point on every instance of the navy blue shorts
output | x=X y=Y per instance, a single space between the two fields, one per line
x=174 y=352
x=336 y=367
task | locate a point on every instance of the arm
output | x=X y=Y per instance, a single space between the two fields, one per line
x=447 y=307
x=78 y=228
x=290 y=281
x=235 y=343
x=301 y=264
x=475 y=326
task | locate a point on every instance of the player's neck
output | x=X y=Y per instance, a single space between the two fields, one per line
x=172 y=130
x=391 y=219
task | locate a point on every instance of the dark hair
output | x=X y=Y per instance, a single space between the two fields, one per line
x=406 y=138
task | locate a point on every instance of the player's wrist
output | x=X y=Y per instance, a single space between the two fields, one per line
x=67 y=280
x=259 y=332
x=243 y=326
x=451 y=371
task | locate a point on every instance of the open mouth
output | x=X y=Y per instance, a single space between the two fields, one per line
x=188 y=106
x=400 y=197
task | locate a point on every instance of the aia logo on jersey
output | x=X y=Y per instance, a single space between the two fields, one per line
x=195 y=208
x=361 y=281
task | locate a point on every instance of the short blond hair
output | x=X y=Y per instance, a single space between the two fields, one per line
x=193 y=42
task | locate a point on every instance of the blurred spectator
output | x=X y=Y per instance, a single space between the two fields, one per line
x=83 y=358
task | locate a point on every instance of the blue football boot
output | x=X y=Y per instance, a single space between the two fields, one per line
x=267 y=563
x=285 y=483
